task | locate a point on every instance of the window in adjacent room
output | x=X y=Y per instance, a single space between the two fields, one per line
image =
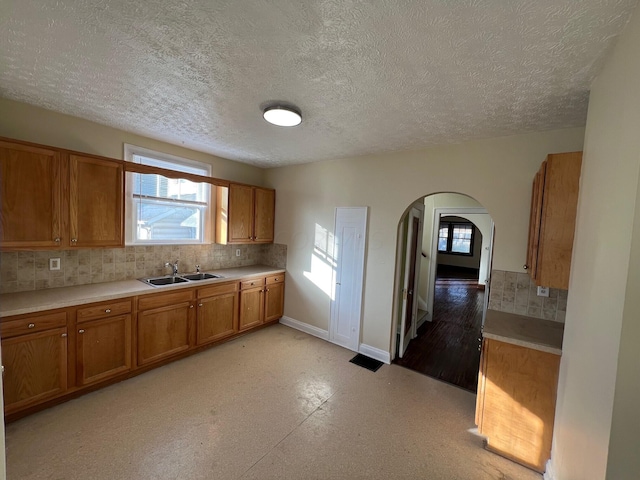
x=456 y=238
x=163 y=210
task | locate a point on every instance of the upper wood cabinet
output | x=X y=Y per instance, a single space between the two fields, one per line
x=96 y=191
x=31 y=196
x=51 y=198
x=244 y=214
x=552 y=221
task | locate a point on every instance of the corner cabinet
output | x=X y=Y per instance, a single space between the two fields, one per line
x=244 y=214
x=515 y=405
x=552 y=220
x=51 y=198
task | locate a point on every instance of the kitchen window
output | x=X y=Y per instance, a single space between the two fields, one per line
x=163 y=210
x=455 y=238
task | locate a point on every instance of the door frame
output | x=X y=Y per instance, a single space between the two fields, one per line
x=354 y=341
x=416 y=212
x=431 y=285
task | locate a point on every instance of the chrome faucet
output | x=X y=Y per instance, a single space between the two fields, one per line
x=197 y=268
x=174 y=266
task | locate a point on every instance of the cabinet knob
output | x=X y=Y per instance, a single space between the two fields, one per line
x=74 y=240
x=526 y=267
x=276 y=279
x=190 y=306
x=81 y=331
x=200 y=305
x=108 y=310
x=63 y=335
x=266 y=290
x=57 y=239
x=31 y=325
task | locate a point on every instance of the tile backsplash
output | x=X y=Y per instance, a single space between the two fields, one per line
x=22 y=271
x=517 y=293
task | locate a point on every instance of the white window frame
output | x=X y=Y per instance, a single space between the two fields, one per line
x=130 y=151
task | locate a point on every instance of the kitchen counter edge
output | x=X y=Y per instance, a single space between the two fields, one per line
x=529 y=332
x=33 y=301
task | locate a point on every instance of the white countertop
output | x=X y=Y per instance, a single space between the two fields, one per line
x=48 y=299
x=530 y=332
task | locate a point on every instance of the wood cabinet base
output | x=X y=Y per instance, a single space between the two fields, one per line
x=516 y=402
x=76 y=392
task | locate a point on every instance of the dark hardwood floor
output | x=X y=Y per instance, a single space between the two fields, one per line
x=447 y=347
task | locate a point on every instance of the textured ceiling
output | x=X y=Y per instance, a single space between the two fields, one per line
x=369 y=76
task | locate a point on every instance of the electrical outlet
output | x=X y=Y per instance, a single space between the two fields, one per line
x=237 y=252
x=54 y=264
x=543 y=291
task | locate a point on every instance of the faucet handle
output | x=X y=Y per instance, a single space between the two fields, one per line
x=197 y=268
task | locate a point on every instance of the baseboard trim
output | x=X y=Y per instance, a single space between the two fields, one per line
x=548 y=472
x=305 y=327
x=375 y=353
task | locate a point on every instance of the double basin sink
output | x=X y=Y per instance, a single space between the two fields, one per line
x=174 y=279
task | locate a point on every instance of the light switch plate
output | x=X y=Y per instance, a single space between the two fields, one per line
x=54 y=264
x=543 y=291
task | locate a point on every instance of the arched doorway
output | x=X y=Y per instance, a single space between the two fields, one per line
x=442 y=338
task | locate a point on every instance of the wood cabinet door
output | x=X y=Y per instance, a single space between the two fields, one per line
x=519 y=402
x=104 y=348
x=240 y=208
x=163 y=332
x=96 y=203
x=265 y=204
x=274 y=302
x=251 y=308
x=35 y=368
x=31 y=196
x=217 y=318
x=534 y=222
x=558 y=219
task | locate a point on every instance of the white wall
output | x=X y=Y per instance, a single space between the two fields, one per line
x=604 y=285
x=32 y=124
x=496 y=172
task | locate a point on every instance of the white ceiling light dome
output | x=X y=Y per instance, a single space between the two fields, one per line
x=283 y=115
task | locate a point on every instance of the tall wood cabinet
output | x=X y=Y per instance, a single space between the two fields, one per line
x=51 y=198
x=245 y=214
x=552 y=220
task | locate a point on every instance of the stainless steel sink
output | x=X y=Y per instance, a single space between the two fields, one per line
x=166 y=280
x=173 y=279
x=200 y=276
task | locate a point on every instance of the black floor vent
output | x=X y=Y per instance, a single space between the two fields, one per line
x=366 y=362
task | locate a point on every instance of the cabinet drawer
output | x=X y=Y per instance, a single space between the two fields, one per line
x=106 y=309
x=33 y=323
x=164 y=299
x=218 y=289
x=279 y=278
x=256 y=282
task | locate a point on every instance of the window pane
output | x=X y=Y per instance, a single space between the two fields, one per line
x=461 y=239
x=443 y=234
x=164 y=222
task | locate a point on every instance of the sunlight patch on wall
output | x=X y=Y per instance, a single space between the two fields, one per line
x=323 y=263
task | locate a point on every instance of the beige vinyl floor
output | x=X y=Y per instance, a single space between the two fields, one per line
x=276 y=403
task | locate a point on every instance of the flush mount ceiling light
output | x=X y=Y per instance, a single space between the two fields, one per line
x=282 y=116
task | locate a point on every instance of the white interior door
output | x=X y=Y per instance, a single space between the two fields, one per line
x=411 y=277
x=349 y=253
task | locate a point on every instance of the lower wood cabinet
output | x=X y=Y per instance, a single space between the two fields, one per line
x=50 y=356
x=261 y=300
x=35 y=363
x=516 y=401
x=166 y=325
x=103 y=349
x=217 y=315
